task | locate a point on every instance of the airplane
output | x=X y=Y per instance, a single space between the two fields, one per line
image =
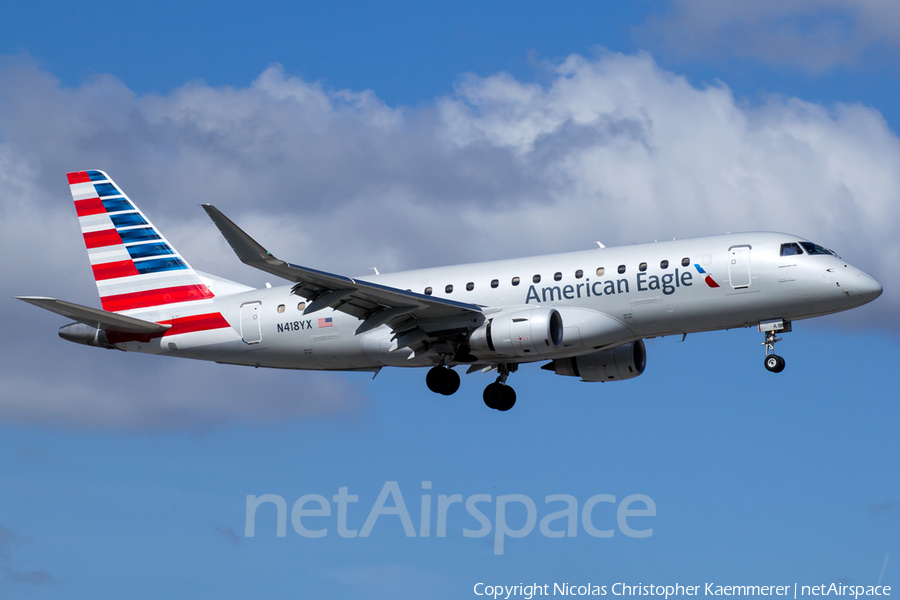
x=586 y=313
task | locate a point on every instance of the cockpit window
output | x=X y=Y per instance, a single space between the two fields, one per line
x=815 y=248
x=790 y=249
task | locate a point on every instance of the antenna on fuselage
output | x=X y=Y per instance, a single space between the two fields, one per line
x=601 y=245
x=376 y=270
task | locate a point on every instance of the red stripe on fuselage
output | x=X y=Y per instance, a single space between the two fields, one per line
x=191 y=324
x=78 y=177
x=89 y=206
x=711 y=282
x=98 y=239
x=150 y=298
x=113 y=270
x=196 y=323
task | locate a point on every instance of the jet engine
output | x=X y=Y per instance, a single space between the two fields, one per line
x=623 y=362
x=519 y=333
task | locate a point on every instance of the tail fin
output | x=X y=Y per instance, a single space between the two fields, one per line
x=136 y=269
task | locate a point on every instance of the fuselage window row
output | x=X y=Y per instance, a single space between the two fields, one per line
x=579 y=274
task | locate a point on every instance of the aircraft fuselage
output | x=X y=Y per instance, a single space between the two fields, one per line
x=655 y=289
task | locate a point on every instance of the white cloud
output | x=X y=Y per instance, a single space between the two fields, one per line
x=812 y=35
x=612 y=149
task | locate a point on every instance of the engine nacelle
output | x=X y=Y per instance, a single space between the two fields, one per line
x=525 y=332
x=624 y=362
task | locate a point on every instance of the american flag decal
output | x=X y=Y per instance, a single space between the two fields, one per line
x=326 y=322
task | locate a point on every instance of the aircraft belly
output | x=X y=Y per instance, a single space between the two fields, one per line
x=651 y=315
x=378 y=348
x=328 y=351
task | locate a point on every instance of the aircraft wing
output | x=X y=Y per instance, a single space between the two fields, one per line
x=96 y=318
x=374 y=304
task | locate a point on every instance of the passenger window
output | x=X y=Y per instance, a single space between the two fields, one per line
x=621 y=269
x=470 y=286
x=579 y=274
x=643 y=267
x=515 y=281
x=791 y=249
x=495 y=283
x=536 y=279
x=428 y=291
x=664 y=264
x=557 y=276
x=301 y=306
x=600 y=271
x=281 y=308
x=685 y=262
x=448 y=289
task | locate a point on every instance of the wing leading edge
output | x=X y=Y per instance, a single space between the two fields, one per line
x=373 y=304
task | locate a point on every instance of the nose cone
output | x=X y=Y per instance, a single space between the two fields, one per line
x=867 y=288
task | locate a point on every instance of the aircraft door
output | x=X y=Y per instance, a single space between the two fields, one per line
x=739 y=267
x=250 y=326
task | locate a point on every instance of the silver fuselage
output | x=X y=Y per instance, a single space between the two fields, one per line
x=749 y=282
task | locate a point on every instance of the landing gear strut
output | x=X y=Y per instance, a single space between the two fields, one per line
x=442 y=380
x=498 y=395
x=773 y=362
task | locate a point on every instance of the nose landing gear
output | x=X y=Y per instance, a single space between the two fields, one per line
x=773 y=362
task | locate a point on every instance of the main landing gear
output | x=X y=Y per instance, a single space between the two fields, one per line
x=773 y=362
x=442 y=380
x=498 y=395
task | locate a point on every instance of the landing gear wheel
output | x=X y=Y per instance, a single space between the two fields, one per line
x=499 y=397
x=493 y=395
x=508 y=399
x=774 y=363
x=451 y=382
x=434 y=379
x=442 y=380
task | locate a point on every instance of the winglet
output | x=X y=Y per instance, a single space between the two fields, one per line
x=248 y=250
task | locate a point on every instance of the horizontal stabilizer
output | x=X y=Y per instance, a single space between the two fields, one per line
x=99 y=319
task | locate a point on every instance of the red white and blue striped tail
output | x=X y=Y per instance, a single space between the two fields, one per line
x=138 y=272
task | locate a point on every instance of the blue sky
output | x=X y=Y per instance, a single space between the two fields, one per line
x=531 y=129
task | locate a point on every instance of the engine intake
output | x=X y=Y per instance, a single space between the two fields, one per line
x=623 y=362
x=520 y=333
